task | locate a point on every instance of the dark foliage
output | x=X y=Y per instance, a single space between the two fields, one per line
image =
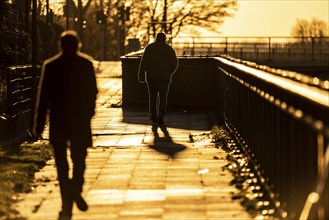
x=48 y=42
x=15 y=43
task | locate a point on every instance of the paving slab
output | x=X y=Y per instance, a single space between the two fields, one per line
x=137 y=170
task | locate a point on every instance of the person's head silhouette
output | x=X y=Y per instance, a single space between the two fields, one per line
x=69 y=42
x=161 y=37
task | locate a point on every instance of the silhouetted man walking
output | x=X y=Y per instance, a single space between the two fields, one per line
x=68 y=91
x=159 y=62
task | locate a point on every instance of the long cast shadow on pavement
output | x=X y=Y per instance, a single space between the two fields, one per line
x=165 y=145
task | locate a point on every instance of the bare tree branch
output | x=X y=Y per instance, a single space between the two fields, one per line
x=206 y=14
x=313 y=28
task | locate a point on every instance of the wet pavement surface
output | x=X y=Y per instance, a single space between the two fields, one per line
x=137 y=170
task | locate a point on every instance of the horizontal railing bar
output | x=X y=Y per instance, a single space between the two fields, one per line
x=220 y=37
x=317 y=95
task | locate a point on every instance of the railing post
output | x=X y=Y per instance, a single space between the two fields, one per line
x=226 y=46
x=193 y=46
x=269 y=49
x=312 y=51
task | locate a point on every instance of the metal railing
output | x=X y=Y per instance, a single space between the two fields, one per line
x=260 y=49
x=281 y=118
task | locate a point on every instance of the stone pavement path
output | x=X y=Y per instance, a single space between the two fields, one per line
x=137 y=170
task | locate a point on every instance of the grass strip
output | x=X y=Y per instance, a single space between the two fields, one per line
x=17 y=169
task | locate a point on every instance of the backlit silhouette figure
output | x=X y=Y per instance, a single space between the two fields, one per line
x=159 y=63
x=68 y=91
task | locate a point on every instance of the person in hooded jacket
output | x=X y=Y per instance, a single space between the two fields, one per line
x=158 y=64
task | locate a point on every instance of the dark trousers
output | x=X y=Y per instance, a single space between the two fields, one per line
x=158 y=88
x=78 y=156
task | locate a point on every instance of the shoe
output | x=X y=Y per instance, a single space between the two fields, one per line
x=81 y=203
x=64 y=216
x=154 y=119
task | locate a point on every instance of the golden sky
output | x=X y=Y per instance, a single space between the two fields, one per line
x=272 y=17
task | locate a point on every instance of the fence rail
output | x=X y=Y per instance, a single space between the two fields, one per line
x=260 y=49
x=284 y=126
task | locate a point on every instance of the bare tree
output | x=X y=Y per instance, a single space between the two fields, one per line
x=147 y=15
x=318 y=28
x=307 y=29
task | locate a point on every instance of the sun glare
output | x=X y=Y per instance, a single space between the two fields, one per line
x=272 y=18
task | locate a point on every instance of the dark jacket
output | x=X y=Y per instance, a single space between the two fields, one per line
x=68 y=90
x=159 y=61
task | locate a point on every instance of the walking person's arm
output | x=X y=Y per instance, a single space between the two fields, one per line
x=143 y=67
x=174 y=64
x=174 y=61
x=93 y=90
x=41 y=106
